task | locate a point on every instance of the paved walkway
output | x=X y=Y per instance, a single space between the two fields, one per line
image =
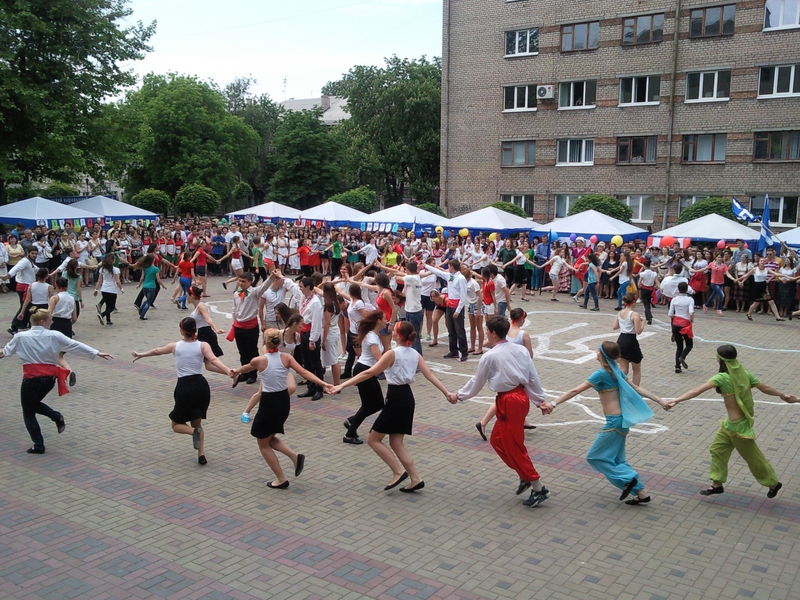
x=118 y=507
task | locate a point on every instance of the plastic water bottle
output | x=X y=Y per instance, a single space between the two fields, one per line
x=245 y=418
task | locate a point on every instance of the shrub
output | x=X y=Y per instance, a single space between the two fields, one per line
x=608 y=205
x=707 y=206
x=196 y=198
x=510 y=208
x=361 y=198
x=153 y=200
x=431 y=207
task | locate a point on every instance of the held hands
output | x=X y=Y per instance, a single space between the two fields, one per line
x=452 y=397
x=105 y=355
x=791 y=399
x=219 y=330
x=136 y=356
x=547 y=408
x=332 y=389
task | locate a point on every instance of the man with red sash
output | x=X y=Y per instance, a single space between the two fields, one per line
x=40 y=350
x=245 y=329
x=509 y=371
x=681 y=313
x=456 y=302
x=310 y=306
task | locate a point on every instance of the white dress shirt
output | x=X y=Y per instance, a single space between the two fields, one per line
x=272 y=298
x=245 y=309
x=456 y=286
x=681 y=306
x=370 y=253
x=311 y=310
x=505 y=367
x=412 y=288
x=44 y=346
x=24 y=271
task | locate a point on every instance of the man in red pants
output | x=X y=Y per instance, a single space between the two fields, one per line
x=509 y=371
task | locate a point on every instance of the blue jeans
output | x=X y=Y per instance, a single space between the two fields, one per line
x=186 y=282
x=607 y=454
x=716 y=293
x=591 y=289
x=149 y=298
x=623 y=289
x=501 y=308
x=415 y=318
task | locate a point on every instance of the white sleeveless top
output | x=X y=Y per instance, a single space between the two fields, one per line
x=65 y=306
x=287 y=347
x=188 y=358
x=517 y=339
x=371 y=339
x=626 y=324
x=201 y=322
x=273 y=378
x=40 y=293
x=402 y=372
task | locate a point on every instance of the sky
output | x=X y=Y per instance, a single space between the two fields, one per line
x=306 y=43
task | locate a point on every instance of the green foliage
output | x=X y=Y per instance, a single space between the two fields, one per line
x=306 y=159
x=58 y=60
x=510 y=207
x=707 y=206
x=395 y=119
x=59 y=190
x=361 y=198
x=196 y=198
x=240 y=195
x=431 y=207
x=153 y=200
x=608 y=205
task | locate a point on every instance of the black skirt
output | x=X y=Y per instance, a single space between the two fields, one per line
x=208 y=335
x=629 y=348
x=273 y=410
x=192 y=397
x=62 y=324
x=760 y=292
x=398 y=414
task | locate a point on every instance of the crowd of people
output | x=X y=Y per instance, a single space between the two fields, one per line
x=306 y=299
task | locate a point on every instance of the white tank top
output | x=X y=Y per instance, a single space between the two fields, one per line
x=517 y=339
x=371 y=339
x=287 y=347
x=188 y=358
x=626 y=323
x=273 y=378
x=40 y=293
x=201 y=322
x=402 y=372
x=65 y=306
x=760 y=275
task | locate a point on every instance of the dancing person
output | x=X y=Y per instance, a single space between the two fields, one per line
x=356 y=310
x=735 y=384
x=23 y=274
x=329 y=356
x=509 y=371
x=150 y=284
x=274 y=405
x=206 y=329
x=591 y=278
x=245 y=327
x=648 y=281
x=761 y=274
x=719 y=271
x=109 y=285
x=311 y=309
x=681 y=313
x=41 y=351
x=192 y=394
x=396 y=419
x=185 y=274
x=474 y=310
x=37 y=295
x=623 y=407
x=439 y=302
x=630 y=325
x=556 y=262
x=456 y=301
x=369 y=390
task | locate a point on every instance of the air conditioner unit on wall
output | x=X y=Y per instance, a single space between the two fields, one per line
x=545 y=92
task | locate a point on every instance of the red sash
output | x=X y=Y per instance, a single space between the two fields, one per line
x=250 y=324
x=32 y=370
x=22 y=287
x=452 y=303
x=685 y=326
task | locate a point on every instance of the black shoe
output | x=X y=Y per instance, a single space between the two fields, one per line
x=526 y=426
x=413 y=488
x=109 y=323
x=626 y=491
x=202 y=459
x=463 y=358
x=251 y=380
x=451 y=355
x=537 y=498
x=73 y=379
x=479 y=427
x=308 y=394
x=523 y=485
x=678 y=370
x=35 y=450
x=317 y=396
x=683 y=362
x=650 y=322
x=143 y=318
x=196 y=438
x=280 y=486
x=301 y=463
x=714 y=489
x=100 y=318
x=396 y=482
x=773 y=491
x=637 y=500
x=61 y=425
x=225 y=285
x=99 y=310
x=11 y=331
x=352 y=440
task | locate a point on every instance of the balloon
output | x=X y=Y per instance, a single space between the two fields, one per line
x=493 y=236
x=439 y=229
x=463 y=232
x=721 y=244
x=746 y=245
x=573 y=237
x=593 y=239
x=667 y=240
x=617 y=241
x=409 y=234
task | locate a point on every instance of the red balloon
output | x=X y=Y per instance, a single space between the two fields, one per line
x=721 y=244
x=667 y=241
x=593 y=239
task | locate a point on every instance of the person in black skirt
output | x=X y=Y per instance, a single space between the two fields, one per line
x=206 y=330
x=273 y=405
x=397 y=417
x=192 y=394
x=630 y=325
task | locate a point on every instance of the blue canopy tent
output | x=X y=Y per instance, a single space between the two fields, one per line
x=407 y=216
x=116 y=211
x=492 y=219
x=335 y=215
x=592 y=222
x=39 y=211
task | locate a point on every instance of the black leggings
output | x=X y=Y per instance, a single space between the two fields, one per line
x=110 y=301
x=371 y=400
x=351 y=355
x=32 y=392
x=684 y=345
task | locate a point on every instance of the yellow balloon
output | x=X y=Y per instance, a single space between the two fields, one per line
x=493 y=236
x=617 y=240
x=463 y=232
x=439 y=229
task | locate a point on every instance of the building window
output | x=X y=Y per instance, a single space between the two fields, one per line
x=777 y=145
x=580 y=36
x=636 y=150
x=524 y=201
x=575 y=152
x=641 y=207
x=518 y=154
x=519 y=97
x=782 y=210
x=713 y=20
x=577 y=94
x=708 y=86
x=780 y=81
x=645 y=29
x=642 y=90
x=522 y=42
x=781 y=14
x=563 y=202
x=704 y=148
x=685 y=202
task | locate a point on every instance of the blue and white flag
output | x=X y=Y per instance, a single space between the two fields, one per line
x=740 y=212
x=765 y=241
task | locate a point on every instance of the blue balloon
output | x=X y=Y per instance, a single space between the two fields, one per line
x=573 y=237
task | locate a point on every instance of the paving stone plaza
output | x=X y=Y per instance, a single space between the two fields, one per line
x=118 y=507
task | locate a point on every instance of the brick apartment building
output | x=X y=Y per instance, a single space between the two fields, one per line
x=544 y=101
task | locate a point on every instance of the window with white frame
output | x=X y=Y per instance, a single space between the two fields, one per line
x=563 y=202
x=577 y=94
x=575 y=152
x=685 y=202
x=779 y=81
x=708 y=147
x=519 y=97
x=781 y=14
x=644 y=29
x=636 y=150
x=776 y=145
x=640 y=90
x=708 y=86
x=782 y=209
x=522 y=42
x=518 y=154
x=580 y=36
x=712 y=21
x=524 y=201
x=641 y=205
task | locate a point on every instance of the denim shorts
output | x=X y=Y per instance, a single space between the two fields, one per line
x=472 y=309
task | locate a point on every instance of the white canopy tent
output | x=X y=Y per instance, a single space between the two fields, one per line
x=268 y=210
x=406 y=216
x=591 y=222
x=114 y=210
x=335 y=214
x=710 y=228
x=791 y=237
x=492 y=219
x=40 y=211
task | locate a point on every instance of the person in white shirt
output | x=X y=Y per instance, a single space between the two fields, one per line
x=456 y=303
x=509 y=371
x=669 y=285
x=681 y=313
x=412 y=289
x=245 y=329
x=24 y=273
x=474 y=310
x=109 y=284
x=311 y=309
x=648 y=280
x=370 y=252
x=41 y=351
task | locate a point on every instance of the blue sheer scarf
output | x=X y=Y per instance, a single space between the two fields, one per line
x=632 y=406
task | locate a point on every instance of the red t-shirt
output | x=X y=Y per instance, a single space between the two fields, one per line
x=304 y=251
x=185 y=268
x=718 y=273
x=488 y=290
x=201 y=258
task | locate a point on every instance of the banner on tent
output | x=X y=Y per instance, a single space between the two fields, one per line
x=657 y=240
x=75 y=224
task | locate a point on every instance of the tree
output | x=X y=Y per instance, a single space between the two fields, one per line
x=240 y=196
x=58 y=60
x=59 y=190
x=361 y=198
x=707 y=206
x=197 y=199
x=431 y=207
x=307 y=168
x=153 y=200
x=608 y=205
x=397 y=112
x=510 y=207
